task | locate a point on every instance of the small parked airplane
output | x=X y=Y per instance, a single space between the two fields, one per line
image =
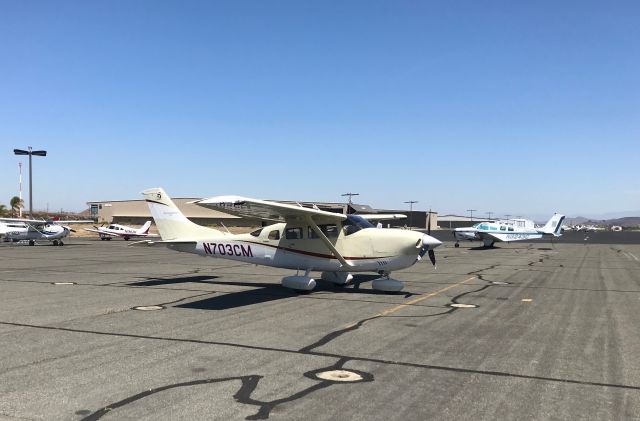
x=17 y=229
x=301 y=239
x=116 y=230
x=508 y=230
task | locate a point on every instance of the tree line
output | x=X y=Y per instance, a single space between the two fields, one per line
x=14 y=208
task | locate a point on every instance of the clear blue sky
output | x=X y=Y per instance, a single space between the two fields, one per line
x=511 y=107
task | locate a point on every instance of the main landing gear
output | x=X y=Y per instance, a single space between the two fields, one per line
x=306 y=283
x=57 y=243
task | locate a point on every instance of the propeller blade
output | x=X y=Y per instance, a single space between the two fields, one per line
x=432 y=257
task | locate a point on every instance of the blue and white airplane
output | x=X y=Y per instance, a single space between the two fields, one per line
x=508 y=230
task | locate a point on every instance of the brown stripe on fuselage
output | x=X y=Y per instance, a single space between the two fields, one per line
x=310 y=253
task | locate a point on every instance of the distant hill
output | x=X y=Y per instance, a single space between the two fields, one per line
x=625 y=222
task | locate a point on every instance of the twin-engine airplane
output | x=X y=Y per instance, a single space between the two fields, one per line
x=117 y=230
x=301 y=239
x=508 y=230
x=17 y=229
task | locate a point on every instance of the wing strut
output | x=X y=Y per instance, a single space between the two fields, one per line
x=326 y=241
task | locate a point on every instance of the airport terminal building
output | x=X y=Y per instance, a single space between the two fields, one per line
x=136 y=212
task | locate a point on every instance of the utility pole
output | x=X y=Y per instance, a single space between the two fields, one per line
x=471 y=211
x=411 y=202
x=350 y=195
x=30 y=152
x=20 y=188
x=489 y=215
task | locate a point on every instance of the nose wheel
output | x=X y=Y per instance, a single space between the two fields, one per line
x=457 y=244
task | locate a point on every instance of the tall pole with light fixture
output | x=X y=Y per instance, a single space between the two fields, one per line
x=30 y=152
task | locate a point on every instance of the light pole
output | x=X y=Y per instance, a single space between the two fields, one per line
x=411 y=202
x=489 y=215
x=30 y=153
x=350 y=202
x=350 y=195
x=471 y=211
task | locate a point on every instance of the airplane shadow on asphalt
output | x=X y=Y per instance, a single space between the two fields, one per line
x=259 y=293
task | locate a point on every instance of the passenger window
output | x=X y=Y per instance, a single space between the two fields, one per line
x=510 y=228
x=503 y=228
x=293 y=233
x=257 y=232
x=311 y=233
x=274 y=235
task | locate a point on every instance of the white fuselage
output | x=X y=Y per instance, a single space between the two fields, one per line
x=393 y=249
x=119 y=231
x=510 y=230
x=44 y=232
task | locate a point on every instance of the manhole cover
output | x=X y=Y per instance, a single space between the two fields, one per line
x=339 y=376
x=63 y=283
x=148 y=308
x=456 y=305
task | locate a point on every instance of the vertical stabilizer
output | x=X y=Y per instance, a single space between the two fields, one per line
x=172 y=224
x=554 y=225
x=145 y=228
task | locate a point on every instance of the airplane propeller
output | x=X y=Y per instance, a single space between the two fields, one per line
x=428 y=243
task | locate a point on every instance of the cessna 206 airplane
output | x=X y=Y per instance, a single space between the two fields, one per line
x=301 y=239
x=17 y=229
x=117 y=230
x=508 y=230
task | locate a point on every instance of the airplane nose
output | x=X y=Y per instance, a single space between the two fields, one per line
x=430 y=243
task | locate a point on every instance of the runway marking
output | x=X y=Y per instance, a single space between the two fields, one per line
x=422 y=298
x=631 y=256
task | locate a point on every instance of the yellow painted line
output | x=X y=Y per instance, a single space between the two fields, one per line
x=414 y=301
x=422 y=298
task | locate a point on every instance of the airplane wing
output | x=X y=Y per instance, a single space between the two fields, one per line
x=382 y=216
x=101 y=232
x=277 y=212
x=266 y=210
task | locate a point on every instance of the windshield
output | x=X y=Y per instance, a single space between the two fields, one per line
x=355 y=223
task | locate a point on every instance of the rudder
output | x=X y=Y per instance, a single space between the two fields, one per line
x=171 y=222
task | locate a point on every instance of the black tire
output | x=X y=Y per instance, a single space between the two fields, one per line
x=32 y=243
x=456 y=245
x=61 y=244
x=55 y=242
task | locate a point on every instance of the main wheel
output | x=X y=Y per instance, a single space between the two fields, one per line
x=456 y=245
x=32 y=243
x=60 y=243
x=55 y=242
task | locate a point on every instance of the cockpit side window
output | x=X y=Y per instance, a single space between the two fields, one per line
x=257 y=232
x=503 y=228
x=330 y=230
x=355 y=223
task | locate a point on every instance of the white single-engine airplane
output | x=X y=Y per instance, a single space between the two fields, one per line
x=301 y=239
x=117 y=230
x=508 y=230
x=17 y=229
